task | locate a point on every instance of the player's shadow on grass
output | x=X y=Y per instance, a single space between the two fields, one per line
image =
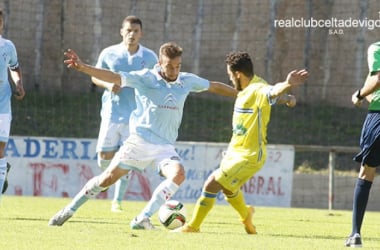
x=74 y=220
x=23 y=219
x=323 y=237
x=97 y=221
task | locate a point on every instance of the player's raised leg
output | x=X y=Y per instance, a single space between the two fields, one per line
x=92 y=188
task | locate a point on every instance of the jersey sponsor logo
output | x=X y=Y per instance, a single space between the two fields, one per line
x=170 y=102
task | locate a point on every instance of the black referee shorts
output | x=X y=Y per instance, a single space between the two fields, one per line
x=370 y=141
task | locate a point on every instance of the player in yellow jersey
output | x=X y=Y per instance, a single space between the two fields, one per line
x=246 y=152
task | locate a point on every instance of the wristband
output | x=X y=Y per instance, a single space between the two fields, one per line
x=359 y=96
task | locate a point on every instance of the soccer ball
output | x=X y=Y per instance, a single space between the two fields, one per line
x=172 y=214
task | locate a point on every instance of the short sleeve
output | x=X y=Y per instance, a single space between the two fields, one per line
x=13 y=63
x=101 y=60
x=374 y=58
x=196 y=83
x=271 y=100
x=136 y=79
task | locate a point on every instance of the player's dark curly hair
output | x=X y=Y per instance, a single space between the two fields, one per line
x=240 y=61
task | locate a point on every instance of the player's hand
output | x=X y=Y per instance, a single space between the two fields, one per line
x=19 y=92
x=292 y=101
x=115 y=88
x=297 y=77
x=72 y=60
x=355 y=100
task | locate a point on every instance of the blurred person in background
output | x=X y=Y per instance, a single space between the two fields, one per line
x=9 y=66
x=118 y=102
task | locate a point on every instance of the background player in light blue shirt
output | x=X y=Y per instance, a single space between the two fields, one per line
x=118 y=102
x=154 y=124
x=8 y=62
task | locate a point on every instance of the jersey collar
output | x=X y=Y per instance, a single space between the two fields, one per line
x=138 y=53
x=157 y=70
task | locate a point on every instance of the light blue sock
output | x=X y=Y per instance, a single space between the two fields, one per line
x=90 y=190
x=161 y=194
x=120 y=188
x=3 y=172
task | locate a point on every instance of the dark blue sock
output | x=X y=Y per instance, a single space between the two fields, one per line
x=361 y=194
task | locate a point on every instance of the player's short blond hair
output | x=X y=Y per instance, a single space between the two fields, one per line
x=170 y=50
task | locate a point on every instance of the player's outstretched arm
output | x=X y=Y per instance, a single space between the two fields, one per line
x=115 y=88
x=288 y=100
x=294 y=79
x=73 y=61
x=222 y=89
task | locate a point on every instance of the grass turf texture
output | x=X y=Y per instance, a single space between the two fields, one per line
x=23 y=225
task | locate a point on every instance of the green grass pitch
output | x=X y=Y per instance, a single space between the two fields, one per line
x=23 y=225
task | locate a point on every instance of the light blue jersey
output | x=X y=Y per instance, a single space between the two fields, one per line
x=160 y=103
x=118 y=107
x=8 y=60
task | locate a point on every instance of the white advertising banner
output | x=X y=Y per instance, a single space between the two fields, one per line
x=59 y=167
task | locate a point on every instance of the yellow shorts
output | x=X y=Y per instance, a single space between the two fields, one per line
x=235 y=170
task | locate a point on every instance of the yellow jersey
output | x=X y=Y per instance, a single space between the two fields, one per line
x=250 y=119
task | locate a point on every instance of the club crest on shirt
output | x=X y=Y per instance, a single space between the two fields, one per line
x=239 y=129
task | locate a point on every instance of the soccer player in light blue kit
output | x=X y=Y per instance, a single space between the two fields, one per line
x=160 y=96
x=117 y=102
x=8 y=61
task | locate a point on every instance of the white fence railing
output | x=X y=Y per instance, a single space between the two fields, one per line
x=331 y=150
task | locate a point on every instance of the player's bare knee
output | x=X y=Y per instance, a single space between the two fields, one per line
x=176 y=173
x=211 y=185
x=367 y=173
x=179 y=178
